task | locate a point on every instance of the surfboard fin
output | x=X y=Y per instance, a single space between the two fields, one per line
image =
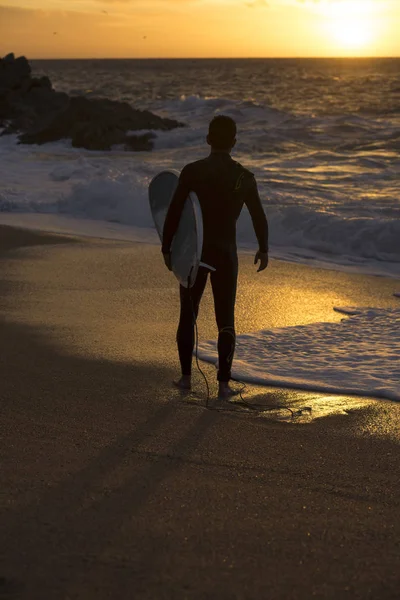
x=207 y=266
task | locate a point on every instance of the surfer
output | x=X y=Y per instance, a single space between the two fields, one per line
x=222 y=186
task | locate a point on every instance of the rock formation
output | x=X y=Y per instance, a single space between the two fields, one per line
x=31 y=107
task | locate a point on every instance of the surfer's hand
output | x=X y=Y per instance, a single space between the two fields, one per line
x=261 y=257
x=167 y=260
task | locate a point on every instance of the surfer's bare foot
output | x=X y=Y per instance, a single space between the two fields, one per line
x=225 y=391
x=184 y=383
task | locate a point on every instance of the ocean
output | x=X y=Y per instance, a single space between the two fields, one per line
x=321 y=135
x=322 y=138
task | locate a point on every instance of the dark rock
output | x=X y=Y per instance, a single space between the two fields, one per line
x=95 y=124
x=31 y=107
x=95 y=136
x=48 y=128
x=42 y=102
x=139 y=143
x=13 y=72
x=43 y=82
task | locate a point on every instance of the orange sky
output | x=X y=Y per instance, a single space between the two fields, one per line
x=199 y=28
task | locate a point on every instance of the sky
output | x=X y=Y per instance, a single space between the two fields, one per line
x=199 y=28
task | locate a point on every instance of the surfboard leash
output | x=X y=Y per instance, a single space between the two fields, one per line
x=266 y=407
x=198 y=364
x=256 y=409
x=196 y=333
x=242 y=383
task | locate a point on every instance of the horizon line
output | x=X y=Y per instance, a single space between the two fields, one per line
x=355 y=57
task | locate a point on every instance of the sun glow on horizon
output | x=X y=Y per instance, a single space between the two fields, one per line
x=352 y=33
x=351 y=23
x=199 y=28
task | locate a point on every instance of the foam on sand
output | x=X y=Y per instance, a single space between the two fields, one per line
x=359 y=355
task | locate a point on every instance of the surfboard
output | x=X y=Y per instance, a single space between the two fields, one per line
x=187 y=244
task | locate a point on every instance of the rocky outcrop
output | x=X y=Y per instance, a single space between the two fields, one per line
x=95 y=125
x=31 y=107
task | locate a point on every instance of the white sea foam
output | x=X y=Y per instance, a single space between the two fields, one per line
x=328 y=173
x=360 y=355
x=112 y=187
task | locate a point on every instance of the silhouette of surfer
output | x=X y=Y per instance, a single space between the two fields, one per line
x=222 y=186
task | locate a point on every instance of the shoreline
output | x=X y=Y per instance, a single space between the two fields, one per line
x=60 y=225
x=288 y=296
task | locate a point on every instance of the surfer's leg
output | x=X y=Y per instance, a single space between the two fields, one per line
x=190 y=301
x=224 y=283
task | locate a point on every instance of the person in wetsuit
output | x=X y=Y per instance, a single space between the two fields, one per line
x=222 y=186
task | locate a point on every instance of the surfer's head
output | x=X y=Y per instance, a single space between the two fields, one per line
x=222 y=133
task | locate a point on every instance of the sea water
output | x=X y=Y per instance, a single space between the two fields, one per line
x=359 y=355
x=323 y=139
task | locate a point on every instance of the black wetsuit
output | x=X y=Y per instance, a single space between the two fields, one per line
x=222 y=186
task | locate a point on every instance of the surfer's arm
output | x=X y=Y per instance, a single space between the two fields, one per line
x=174 y=212
x=258 y=216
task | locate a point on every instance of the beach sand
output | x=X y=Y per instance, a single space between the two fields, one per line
x=113 y=485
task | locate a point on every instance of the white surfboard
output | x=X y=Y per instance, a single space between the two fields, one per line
x=187 y=244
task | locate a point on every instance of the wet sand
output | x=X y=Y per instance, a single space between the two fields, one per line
x=115 y=486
